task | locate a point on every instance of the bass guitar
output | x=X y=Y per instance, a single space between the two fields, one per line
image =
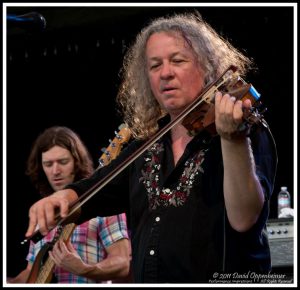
x=43 y=265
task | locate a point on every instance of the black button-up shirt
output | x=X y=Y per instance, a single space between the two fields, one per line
x=177 y=217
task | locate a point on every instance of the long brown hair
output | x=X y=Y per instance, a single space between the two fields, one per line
x=65 y=138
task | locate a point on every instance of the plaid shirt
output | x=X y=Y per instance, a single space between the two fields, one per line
x=90 y=240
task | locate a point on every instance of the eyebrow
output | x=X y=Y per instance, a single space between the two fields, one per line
x=156 y=58
x=58 y=159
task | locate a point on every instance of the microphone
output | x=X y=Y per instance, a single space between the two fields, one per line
x=31 y=20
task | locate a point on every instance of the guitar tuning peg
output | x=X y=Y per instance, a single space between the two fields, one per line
x=119 y=137
x=109 y=140
x=101 y=162
x=106 y=152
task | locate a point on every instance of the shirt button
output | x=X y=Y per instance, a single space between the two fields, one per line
x=152 y=252
x=157 y=219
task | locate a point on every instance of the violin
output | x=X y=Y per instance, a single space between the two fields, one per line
x=197 y=117
x=202 y=117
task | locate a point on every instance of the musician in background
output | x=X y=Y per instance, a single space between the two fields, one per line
x=198 y=204
x=99 y=249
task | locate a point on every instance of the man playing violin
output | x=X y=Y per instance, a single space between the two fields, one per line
x=98 y=249
x=198 y=203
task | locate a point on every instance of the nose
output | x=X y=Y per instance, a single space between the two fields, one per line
x=166 y=71
x=56 y=168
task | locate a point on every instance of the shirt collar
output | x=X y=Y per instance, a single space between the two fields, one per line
x=162 y=122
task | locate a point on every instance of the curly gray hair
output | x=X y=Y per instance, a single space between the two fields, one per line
x=214 y=54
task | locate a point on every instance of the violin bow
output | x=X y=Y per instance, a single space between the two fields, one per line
x=207 y=96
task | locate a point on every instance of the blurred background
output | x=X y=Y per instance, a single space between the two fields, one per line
x=68 y=74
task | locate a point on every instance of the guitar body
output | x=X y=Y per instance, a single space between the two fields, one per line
x=38 y=266
x=42 y=271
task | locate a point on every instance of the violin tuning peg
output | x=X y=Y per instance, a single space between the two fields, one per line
x=264 y=110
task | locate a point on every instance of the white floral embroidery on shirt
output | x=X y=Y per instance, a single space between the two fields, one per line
x=166 y=196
